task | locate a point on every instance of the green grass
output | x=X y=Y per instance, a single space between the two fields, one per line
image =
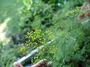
x=10 y=16
x=10 y=11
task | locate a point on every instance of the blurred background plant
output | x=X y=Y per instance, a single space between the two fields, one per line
x=40 y=21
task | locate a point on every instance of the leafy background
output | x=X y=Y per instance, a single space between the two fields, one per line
x=28 y=24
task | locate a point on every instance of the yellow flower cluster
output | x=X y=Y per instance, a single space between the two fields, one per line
x=73 y=12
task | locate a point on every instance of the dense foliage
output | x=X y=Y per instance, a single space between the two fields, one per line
x=56 y=19
x=44 y=20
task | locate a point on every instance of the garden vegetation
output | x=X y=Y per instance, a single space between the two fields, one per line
x=45 y=20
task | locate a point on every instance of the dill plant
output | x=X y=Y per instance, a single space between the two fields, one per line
x=71 y=48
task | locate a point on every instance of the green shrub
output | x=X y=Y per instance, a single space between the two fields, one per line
x=7 y=57
x=47 y=20
x=71 y=48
